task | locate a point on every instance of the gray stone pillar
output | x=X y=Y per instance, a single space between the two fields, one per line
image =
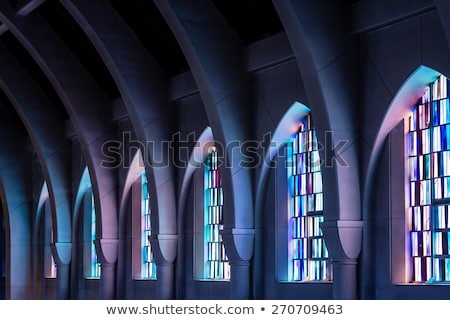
x=62 y=254
x=344 y=240
x=164 y=248
x=108 y=281
x=107 y=250
x=345 y=282
x=240 y=280
x=63 y=281
x=239 y=246
x=165 y=273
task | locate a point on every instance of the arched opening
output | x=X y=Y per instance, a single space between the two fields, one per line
x=291 y=257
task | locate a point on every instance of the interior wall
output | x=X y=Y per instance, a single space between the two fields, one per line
x=388 y=58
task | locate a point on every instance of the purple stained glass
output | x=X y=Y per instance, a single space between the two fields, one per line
x=428 y=165
x=308 y=198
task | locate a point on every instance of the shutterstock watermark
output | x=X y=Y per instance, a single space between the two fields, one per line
x=178 y=151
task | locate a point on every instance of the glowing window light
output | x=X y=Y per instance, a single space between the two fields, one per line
x=308 y=254
x=428 y=166
x=148 y=265
x=216 y=264
x=95 y=264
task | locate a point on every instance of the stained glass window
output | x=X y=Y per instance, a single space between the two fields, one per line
x=148 y=265
x=428 y=167
x=308 y=253
x=95 y=264
x=49 y=262
x=216 y=265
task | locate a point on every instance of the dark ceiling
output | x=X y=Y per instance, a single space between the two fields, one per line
x=145 y=20
x=252 y=20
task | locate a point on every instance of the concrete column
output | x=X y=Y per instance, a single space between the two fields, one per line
x=241 y=281
x=164 y=247
x=239 y=245
x=345 y=279
x=107 y=250
x=165 y=273
x=344 y=240
x=62 y=281
x=107 y=281
x=62 y=254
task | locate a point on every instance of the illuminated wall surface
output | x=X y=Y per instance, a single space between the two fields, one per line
x=429 y=184
x=148 y=268
x=308 y=254
x=95 y=264
x=216 y=265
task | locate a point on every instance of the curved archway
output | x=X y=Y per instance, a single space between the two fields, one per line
x=44 y=266
x=285 y=129
x=198 y=155
x=401 y=105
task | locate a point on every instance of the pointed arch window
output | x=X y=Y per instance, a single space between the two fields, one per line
x=84 y=204
x=145 y=268
x=428 y=191
x=92 y=264
x=216 y=264
x=44 y=212
x=307 y=252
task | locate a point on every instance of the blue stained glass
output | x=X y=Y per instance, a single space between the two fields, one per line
x=417 y=269
x=436 y=113
x=437 y=238
x=426 y=95
x=417 y=219
x=325 y=251
x=413 y=170
x=437 y=269
x=446 y=187
x=315 y=161
x=426 y=245
x=435 y=165
x=304 y=205
x=324 y=265
x=319 y=202
x=317 y=182
x=437 y=142
x=316 y=248
x=412 y=193
x=446 y=139
x=215 y=259
x=412 y=121
x=445 y=114
x=311 y=203
x=295 y=145
x=415 y=239
x=447 y=269
x=427 y=166
x=440 y=217
x=412 y=136
x=309 y=186
x=304 y=230
x=426 y=216
x=448 y=216
x=437 y=190
x=425 y=140
x=425 y=192
x=445 y=163
x=303 y=181
x=422 y=116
